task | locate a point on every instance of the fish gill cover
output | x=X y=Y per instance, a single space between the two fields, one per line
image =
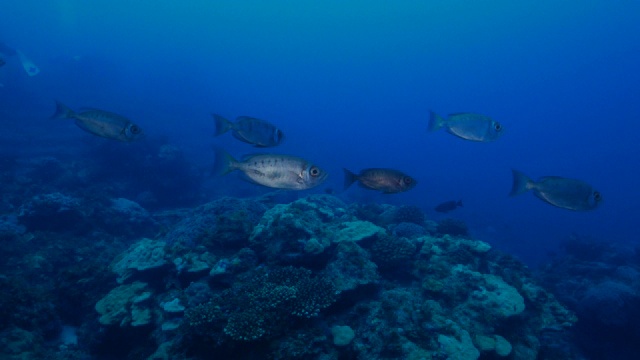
x=141 y=248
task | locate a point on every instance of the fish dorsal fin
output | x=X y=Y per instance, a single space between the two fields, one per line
x=106 y=113
x=248 y=156
x=86 y=108
x=243 y=117
x=551 y=177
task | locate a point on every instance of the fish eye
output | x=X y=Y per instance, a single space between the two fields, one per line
x=408 y=180
x=497 y=126
x=597 y=196
x=134 y=129
x=314 y=171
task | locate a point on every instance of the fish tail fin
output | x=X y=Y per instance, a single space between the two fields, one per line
x=349 y=178
x=460 y=203
x=521 y=183
x=223 y=162
x=222 y=125
x=62 y=112
x=436 y=122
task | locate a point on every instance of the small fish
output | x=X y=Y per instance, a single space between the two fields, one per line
x=388 y=181
x=274 y=171
x=101 y=123
x=448 y=206
x=253 y=131
x=2 y=62
x=558 y=191
x=468 y=126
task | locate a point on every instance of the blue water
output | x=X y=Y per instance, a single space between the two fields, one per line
x=351 y=85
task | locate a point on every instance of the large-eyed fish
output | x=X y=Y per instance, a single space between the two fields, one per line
x=468 y=126
x=562 y=192
x=253 y=131
x=271 y=170
x=389 y=181
x=99 y=122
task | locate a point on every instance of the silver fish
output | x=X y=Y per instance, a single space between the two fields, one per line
x=388 y=181
x=253 y=131
x=274 y=171
x=101 y=123
x=564 y=193
x=468 y=126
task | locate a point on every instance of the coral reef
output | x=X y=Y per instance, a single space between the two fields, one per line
x=453 y=227
x=144 y=256
x=246 y=278
x=300 y=232
x=391 y=251
x=408 y=230
x=599 y=281
x=126 y=306
x=53 y=212
x=222 y=224
x=264 y=305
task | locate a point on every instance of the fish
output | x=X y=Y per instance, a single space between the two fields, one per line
x=448 y=206
x=468 y=126
x=101 y=123
x=2 y=62
x=389 y=181
x=256 y=132
x=272 y=170
x=558 y=191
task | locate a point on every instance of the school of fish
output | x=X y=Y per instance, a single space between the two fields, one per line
x=294 y=173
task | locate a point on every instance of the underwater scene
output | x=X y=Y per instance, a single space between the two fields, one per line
x=331 y=180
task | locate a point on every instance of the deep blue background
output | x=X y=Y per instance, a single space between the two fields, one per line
x=351 y=84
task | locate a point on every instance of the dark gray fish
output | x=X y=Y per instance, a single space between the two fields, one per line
x=100 y=123
x=447 y=206
x=468 y=126
x=388 y=181
x=253 y=131
x=564 y=193
x=271 y=170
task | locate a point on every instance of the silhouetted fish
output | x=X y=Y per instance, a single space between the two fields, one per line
x=101 y=123
x=253 y=131
x=388 y=181
x=468 y=126
x=448 y=206
x=558 y=191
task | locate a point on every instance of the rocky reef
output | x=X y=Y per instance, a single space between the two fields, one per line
x=600 y=282
x=314 y=278
x=112 y=274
